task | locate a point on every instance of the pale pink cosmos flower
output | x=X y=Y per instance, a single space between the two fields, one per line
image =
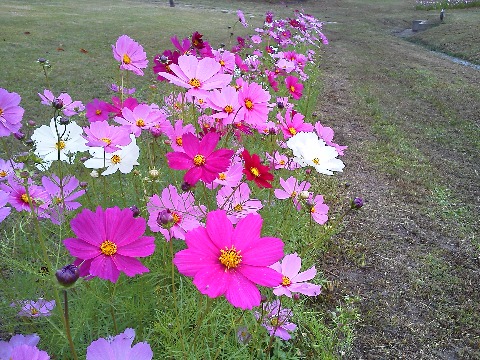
x=63 y=101
x=230 y=177
x=34 y=309
x=199 y=76
x=11 y=113
x=276 y=319
x=237 y=202
x=226 y=59
x=109 y=137
x=200 y=158
x=293 y=123
x=281 y=161
x=318 y=209
x=225 y=104
x=173 y=214
x=253 y=100
x=7 y=168
x=176 y=132
x=109 y=242
x=142 y=117
x=293 y=280
x=291 y=189
x=4 y=210
x=326 y=134
x=230 y=261
x=27 y=352
x=241 y=18
x=130 y=54
x=6 y=347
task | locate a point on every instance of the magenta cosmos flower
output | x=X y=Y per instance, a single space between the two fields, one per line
x=108 y=242
x=119 y=347
x=200 y=158
x=10 y=113
x=293 y=123
x=293 y=280
x=294 y=87
x=223 y=260
x=253 y=100
x=196 y=75
x=130 y=54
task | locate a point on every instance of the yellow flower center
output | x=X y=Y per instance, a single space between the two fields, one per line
x=195 y=83
x=176 y=218
x=126 y=59
x=282 y=162
x=108 y=248
x=140 y=123
x=286 y=281
x=292 y=130
x=60 y=145
x=25 y=198
x=292 y=88
x=249 y=104
x=222 y=176
x=222 y=62
x=201 y=101
x=98 y=112
x=230 y=258
x=293 y=194
x=3 y=173
x=115 y=159
x=179 y=141
x=167 y=68
x=106 y=141
x=57 y=200
x=255 y=171
x=177 y=106
x=33 y=311
x=238 y=207
x=228 y=109
x=312 y=210
x=1 y=111
x=274 y=322
x=199 y=160
x=316 y=161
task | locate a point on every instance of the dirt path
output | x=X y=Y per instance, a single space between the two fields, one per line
x=418 y=285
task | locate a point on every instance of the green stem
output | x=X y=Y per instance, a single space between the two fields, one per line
x=174 y=293
x=67 y=325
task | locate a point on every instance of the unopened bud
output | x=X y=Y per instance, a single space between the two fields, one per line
x=304 y=195
x=155 y=131
x=83 y=184
x=64 y=121
x=165 y=218
x=135 y=211
x=94 y=174
x=186 y=186
x=154 y=173
x=31 y=123
x=296 y=297
x=57 y=104
x=280 y=105
x=357 y=203
x=68 y=275
x=19 y=135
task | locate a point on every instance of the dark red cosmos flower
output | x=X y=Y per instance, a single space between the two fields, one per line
x=197 y=40
x=255 y=171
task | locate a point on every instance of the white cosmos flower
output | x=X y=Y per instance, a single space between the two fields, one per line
x=68 y=140
x=309 y=150
x=123 y=159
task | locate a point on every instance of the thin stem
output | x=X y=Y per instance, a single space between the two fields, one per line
x=67 y=325
x=174 y=293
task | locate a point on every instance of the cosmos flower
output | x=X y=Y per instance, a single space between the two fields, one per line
x=276 y=319
x=291 y=189
x=142 y=117
x=225 y=104
x=326 y=134
x=32 y=308
x=293 y=123
x=173 y=214
x=119 y=347
x=253 y=100
x=200 y=158
x=63 y=102
x=130 y=54
x=241 y=18
x=108 y=242
x=10 y=113
x=230 y=261
x=58 y=142
x=318 y=209
x=7 y=168
x=237 y=202
x=294 y=87
x=293 y=280
x=20 y=200
x=230 y=177
x=6 y=347
x=109 y=137
x=98 y=110
x=280 y=161
x=309 y=150
x=176 y=132
x=27 y=352
x=198 y=76
x=255 y=171
x=4 y=210
x=226 y=59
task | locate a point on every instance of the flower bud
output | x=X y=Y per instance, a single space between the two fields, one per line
x=42 y=60
x=57 y=104
x=154 y=173
x=24 y=174
x=29 y=142
x=263 y=298
x=94 y=174
x=83 y=184
x=19 y=135
x=64 y=121
x=357 y=203
x=186 y=186
x=155 y=131
x=83 y=159
x=68 y=275
x=163 y=59
x=165 y=218
x=135 y=211
x=31 y=123
x=280 y=105
x=304 y=195
x=296 y=296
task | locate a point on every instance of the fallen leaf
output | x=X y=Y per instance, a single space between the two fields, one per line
x=83 y=50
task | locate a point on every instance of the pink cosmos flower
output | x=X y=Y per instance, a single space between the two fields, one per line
x=254 y=102
x=118 y=106
x=18 y=198
x=108 y=137
x=108 y=242
x=231 y=177
x=173 y=214
x=27 y=352
x=326 y=134
x=291 y=189
x=280 y=161
x=7 y=168
x=62 y=194
x=241 y=18
x=130 y=54
x=39 y=308
x=4 y=210
x=163 y=62
x=293 y=123
x=121 y=89
x=293 y=281
x=142 y=117
x=200 y=159
x=294 y=87
x=198 y=76
x=63 y=101
x=119 y=347
x=176 y=132
x=225 y=104
x=318 y=209
x=226 y=59
x=6 y=347
x=237 y=202
x=98 y=110
x=276 y=319
x=10 y=113
x=223 y=260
